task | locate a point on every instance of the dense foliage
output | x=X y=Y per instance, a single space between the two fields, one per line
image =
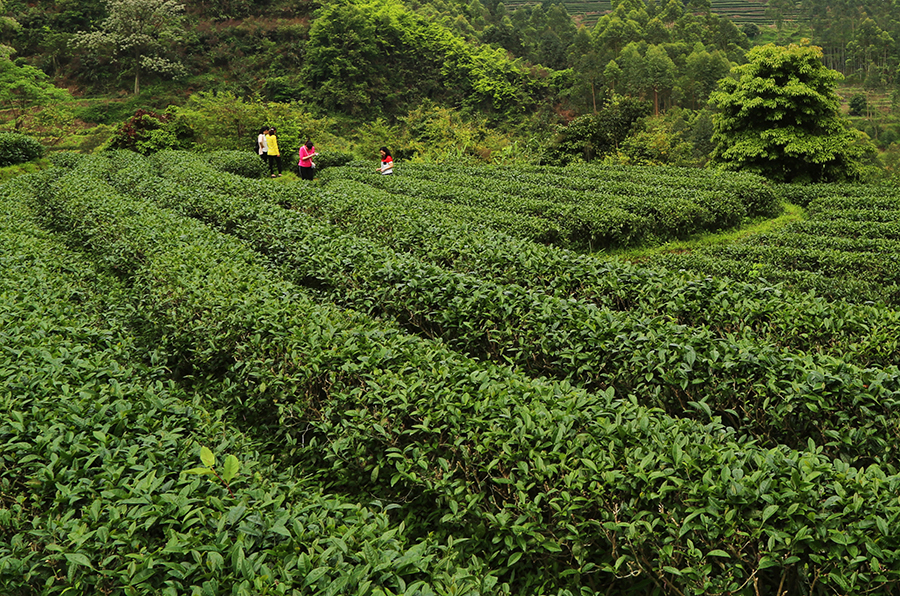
x=579 y=208
x=843 y=250
x=23 y=87
x=106 y=466
x=242 y=163
x=779 y=117
x=508 y=75
x=858 y=38
x=371 y=58
x=227 y=385
x=375 y=58
x=18 y=148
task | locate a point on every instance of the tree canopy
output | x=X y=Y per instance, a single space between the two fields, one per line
x=140 y=33
x=23 y=87
x=778 y=115
x=365 y=58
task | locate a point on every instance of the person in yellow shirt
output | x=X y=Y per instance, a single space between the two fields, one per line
x=274 y=154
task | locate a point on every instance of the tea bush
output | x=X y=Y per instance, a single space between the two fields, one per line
x=462 y=240
x=16 y=148
x=105 y=461
x=551 y=488
x=242 y=163
x=332 y=159
x=543 y=335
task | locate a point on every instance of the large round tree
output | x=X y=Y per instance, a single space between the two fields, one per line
x=778 y=115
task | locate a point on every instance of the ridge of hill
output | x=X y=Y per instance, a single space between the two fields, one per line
x=588 y=11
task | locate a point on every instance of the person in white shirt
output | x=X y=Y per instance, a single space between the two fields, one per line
x=263 y=144
x=387 y=162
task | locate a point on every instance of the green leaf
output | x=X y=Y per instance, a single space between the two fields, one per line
x=767 y=562
x=315 y=575
x=672 y=570
x=718 y=553
x=215 y=561
x=232 y=465
x=79 y=559
x=198 y=471
x=207 y=457
x=552 y=546
x=769 y=512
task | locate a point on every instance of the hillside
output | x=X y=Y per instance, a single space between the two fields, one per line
x=589 y=11
x=436 y=80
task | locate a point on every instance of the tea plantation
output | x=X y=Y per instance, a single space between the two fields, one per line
x=435 y=383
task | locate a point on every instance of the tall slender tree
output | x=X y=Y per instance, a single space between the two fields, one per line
x=659 y=71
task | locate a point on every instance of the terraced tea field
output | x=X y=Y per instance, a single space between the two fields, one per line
x=437 y=383
x=738 y=11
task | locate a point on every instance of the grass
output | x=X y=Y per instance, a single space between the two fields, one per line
x=29 y=167
x=791 y=214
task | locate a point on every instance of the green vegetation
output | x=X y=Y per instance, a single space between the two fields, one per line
x=779 y=118
x=434 y=80
x=843 y=249
x=562 y=350
x=227 y=385
x=760 y=225
x=138 y=33
x=581 y=208
x=17 y=148
x=23 y=87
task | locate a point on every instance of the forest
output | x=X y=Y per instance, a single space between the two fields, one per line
x=438 y=79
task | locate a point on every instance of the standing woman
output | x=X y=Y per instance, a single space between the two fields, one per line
x=274 y=155
x=387 y=162
x=307 y=167
x=261 y=145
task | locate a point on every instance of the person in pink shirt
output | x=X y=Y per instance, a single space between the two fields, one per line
x=306 y=165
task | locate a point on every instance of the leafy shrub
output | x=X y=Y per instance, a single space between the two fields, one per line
x=18 y=148
x=858 y=104
x=594 y=135
x=888 y=137
x=563 y=486
x=799 y=194
x=283 y=89
x=242 y=163
x=332 y=159
x=149 y=132
x=65 y=159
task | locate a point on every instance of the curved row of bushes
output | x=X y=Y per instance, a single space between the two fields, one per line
x=845 y=250
x=794 y=321
x=104 y=483
x=766 y=395
x=727 y=196
x=556 y=488
x=594 y=214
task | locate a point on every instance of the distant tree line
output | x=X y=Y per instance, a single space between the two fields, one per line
x=632 y=88
x=669 y=51
x=369 y=58
x=859 y=38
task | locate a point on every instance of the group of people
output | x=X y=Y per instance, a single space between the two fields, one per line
x=267 y=146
